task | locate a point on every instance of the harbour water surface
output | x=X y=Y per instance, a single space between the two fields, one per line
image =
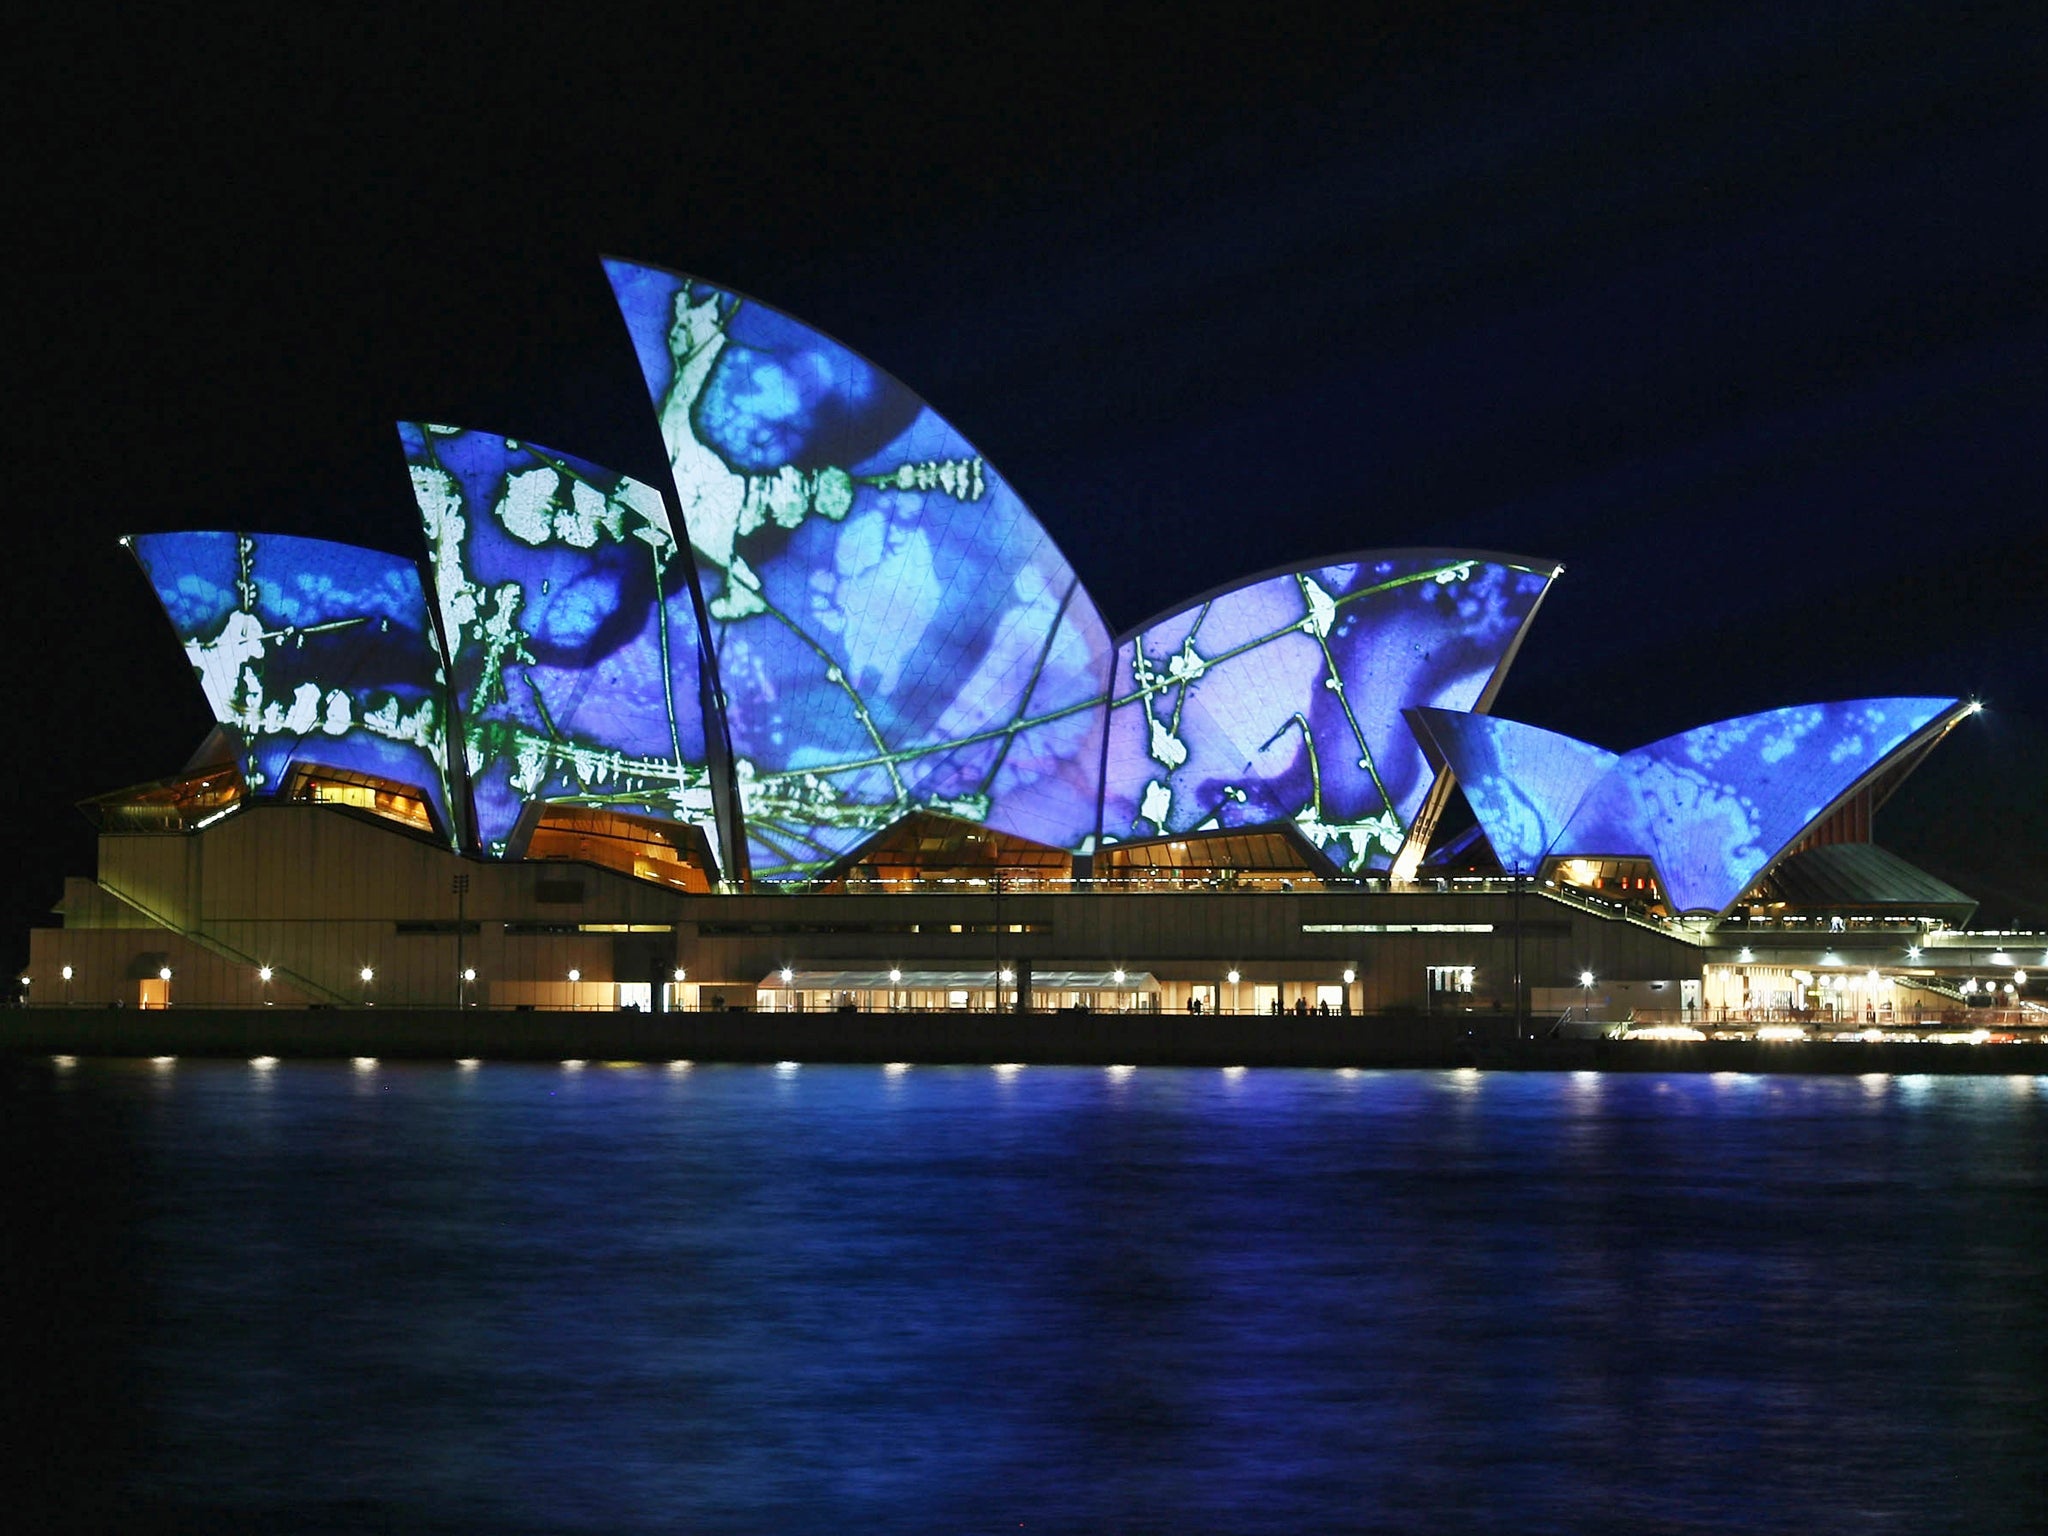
x=364 y=1297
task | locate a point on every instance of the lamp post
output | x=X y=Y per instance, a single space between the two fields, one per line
x=1350 y=975
x=263 y=977
x=996 y=886
x=1586 y=993
x=460 y=885
x=1233 y=978
x=163 y=976
x=369 y=974
x=1518 y=949
x=66 y=974
x=682 y=976
x=462 y=986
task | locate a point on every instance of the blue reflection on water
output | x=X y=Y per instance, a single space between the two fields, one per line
x=729 y=1298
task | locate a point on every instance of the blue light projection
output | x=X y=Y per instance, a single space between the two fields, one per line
x=894 y=630
x=309 y=653
x=1279 y=701
x=1720 y=802
x=1522 y=782
x=1712 y=807
x=572 y=630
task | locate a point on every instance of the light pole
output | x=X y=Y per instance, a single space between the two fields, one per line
x=1586 y=993
x=263 y=976
x=460 y=885
x=66 y=974
x=1233 y=978
x=163 y=976
x=1518 y=949
x=895 y=980
x=369 y=974
x=1350 y=975
x=996 y=884
x=463 y=985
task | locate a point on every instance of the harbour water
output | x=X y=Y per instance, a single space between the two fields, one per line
x=509 y=1298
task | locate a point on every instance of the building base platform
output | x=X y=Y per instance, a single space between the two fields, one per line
x=1053 y=1039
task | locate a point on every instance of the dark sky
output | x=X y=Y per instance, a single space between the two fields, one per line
x=1739 y=314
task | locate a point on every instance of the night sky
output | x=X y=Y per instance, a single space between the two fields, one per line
x=1739 y=315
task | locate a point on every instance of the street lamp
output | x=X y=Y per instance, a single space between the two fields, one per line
x=66 y=974
x=263 y=975
x=1586 y=991
x=163 y=976
x=369 y=974
x=1233 y=978
x=468 y=979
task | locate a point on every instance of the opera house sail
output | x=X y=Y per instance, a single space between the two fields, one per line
x=1278 y=702
x=572 y=632
x=894 y=630
x=1711 y=808
x=312 y=656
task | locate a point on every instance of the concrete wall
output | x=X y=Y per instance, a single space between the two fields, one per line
x=319 y=893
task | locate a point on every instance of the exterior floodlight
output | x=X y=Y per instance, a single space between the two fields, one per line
x=162 y=975
x=469 y=973
x=894 y=975
x=1585 y=978
x=1231 y=977
x=1006 y=977
x=575 y=975
x=681 y=974
x=1349 y=975
x=787 y=976
x=1117 y=976
x=263 y=973
x=67 y=973
x=369 y=974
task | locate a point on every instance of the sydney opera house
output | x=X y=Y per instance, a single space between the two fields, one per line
x=828 y=721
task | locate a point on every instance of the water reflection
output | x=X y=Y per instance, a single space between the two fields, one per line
x=960 y=1299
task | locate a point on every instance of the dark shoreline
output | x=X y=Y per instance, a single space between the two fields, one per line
x=966 y=1039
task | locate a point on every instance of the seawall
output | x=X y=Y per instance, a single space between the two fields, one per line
x=1044 y=1039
